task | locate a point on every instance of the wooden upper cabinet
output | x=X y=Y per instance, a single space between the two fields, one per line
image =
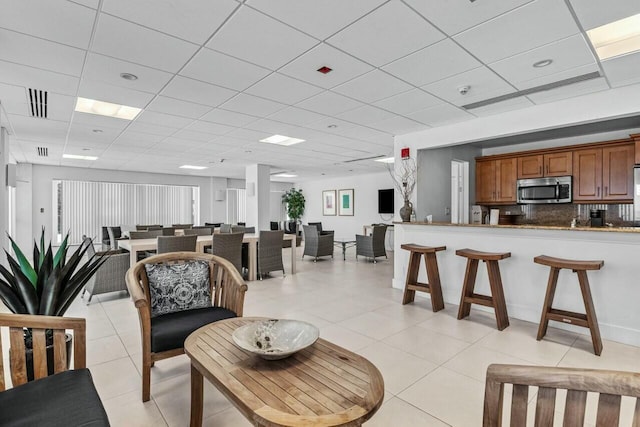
x=506 y=173
x=485 y=181
x=587 y=174
x=530 y=166
x=617 y=172
x=558 y=164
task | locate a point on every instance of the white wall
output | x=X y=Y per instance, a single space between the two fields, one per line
x=365 y=202
x=4 y=208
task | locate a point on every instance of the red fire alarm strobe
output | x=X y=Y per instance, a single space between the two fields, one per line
x=404 y=153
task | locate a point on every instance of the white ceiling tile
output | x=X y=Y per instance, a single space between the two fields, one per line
x=372 y=87
x=440 y=115
x=566 y=54
x=483 y=84
x=622 y=70
x=329 y=103
x=41 y=130
x=562 y=75
x=257 y=38
x=223 y=70
x=130 y=42
x=100 y=91
x=230 y=118
x=155 y=118
x=369 y=135
x=138 y=139
x=95 y=121
x=22 y=75
x=249 y=104
x=293 y=115
x=571 y=91
x=197 y=91
x=14 y=99
x=193 y=20
x=60 y=107
x=176 y=107
x=245 y=135
x=433 y=63
x=281 y=88
x=501 y=107
x=210 y=128
x=106 y=69
x=338 y=127
x=192 y=136
x=377 y=41
x=532 y=25
x=150 y=128
x=73 y=23
x=398 y=125
x=408 y=102
x=35 y=52
x=320 y=19
x=594 y=13
x=82 y=136
x=93 y=4
x=344 y=67
x=365 y=115
x=453 y=16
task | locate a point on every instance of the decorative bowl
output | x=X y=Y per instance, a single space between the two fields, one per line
x=275 y=339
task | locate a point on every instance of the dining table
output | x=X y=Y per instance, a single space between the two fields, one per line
x=139 y=245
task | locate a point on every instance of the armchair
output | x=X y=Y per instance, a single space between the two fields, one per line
x=65 y=398
x=320 y=230
x=110 y=275
x=158 y=285
x=109 y=236
x=315 y=244
x=372 y=246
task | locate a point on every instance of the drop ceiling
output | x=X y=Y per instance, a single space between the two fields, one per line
x=215 y=77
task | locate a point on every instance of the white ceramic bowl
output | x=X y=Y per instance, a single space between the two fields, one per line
x=275 y=338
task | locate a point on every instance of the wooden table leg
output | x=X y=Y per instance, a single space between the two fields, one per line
x=293 y=255
x=133 y=257
x=253 y=260
x=196 y=397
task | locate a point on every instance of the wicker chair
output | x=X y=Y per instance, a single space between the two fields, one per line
x=168 y=244
x=110 y=276
x=610 y=385
x=274 y=225
x=238 y=228
x=163 y=336
x=372 y=246
x=320 y=230
x=147 y=227
x=149 y=234
x=58 y=397
x=228 y=246
x=270 y=252
x=200 y=231
x=182 y=226
x=225 y=228
x=316 y=245
x=212 y=224
x=114 y=233
x=168 y=231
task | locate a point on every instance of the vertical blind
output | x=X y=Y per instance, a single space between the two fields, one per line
x=236 y=205
x=84 y=207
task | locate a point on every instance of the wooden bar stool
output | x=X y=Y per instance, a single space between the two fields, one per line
x=431 y=264
x=587 y=320
x=495 y=282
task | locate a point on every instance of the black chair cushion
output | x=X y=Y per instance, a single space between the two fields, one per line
x=170 y=330
x=61 y=400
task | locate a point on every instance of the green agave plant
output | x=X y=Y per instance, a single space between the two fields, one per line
x=49 y=286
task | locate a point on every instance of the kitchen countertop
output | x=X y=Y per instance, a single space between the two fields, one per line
x=529 y=226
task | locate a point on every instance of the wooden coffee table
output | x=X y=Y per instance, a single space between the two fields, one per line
x=323 y=385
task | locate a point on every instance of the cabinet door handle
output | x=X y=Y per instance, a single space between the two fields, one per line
x=598 y=195
x=606 y=191
x=547 y=168
x=540 y=172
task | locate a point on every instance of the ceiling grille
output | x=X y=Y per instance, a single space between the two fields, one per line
x=38 y=103
x=43 y=151
x=363 y=158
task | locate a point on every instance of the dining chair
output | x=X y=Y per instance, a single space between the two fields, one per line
x=372 y=246
x=238 y=228
x=182 y=226
x=318 y=225
x=143 y=227
x=315 y=244
x=110 y=275
x=211 y=289
x=177 y=244
x=150 y=234
x=168 y=231
x=228 y=246
x=113 y=233
x=225 y=228
x=200 y=231
x=270 y=252
x=609 y=385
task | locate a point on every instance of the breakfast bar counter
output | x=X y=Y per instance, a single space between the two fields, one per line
x=615 y=288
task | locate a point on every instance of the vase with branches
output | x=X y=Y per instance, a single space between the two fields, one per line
x=404 y=179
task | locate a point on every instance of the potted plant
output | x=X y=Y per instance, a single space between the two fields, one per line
x=404 y=179
x=294 y=200
x=48 y=286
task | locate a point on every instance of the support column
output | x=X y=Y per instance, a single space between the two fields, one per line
x=258 y=185
x=4 y=205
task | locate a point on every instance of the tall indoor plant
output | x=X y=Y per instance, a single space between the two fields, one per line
x=294 y=200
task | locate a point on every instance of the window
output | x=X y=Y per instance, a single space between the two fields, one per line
x=236 y=205
x=84 y=207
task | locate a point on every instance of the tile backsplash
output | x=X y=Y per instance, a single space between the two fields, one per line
x=620 y=215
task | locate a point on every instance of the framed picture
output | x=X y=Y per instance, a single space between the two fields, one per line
x=345 y=202
x=329 y=202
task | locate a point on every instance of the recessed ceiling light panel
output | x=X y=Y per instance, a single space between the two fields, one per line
x=616 y=38
x=386 y=160
x=78 y=157
x=91 y=106
x=282 y=140
x=193 y=167
x=285 y=175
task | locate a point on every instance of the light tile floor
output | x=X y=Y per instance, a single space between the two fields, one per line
x=433 y=365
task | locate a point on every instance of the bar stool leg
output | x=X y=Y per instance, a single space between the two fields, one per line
x=590 y=311
x=467 y=288
x=433 y=275
x=497 y=294
x=412 y=277
x=548 y=302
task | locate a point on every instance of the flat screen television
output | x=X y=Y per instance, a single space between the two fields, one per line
x=385 y=201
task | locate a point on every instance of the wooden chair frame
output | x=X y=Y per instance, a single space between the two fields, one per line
x=38 y=325
x=611 y=385
x=227 y=291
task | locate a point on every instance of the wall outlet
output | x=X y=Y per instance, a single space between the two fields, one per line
x=447 y=211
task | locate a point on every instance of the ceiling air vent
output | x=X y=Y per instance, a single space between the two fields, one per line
x=43 y=151
x=38 y=103
x=363 y=158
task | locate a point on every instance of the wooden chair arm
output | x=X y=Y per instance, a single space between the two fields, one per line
x=133 y=284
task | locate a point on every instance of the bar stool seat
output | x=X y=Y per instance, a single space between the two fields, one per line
x=433 y=275
x=469 y=297
x=587 y=319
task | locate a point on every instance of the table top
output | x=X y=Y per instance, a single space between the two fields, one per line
x=322 y=385
x=344 y=240
x=152 y=243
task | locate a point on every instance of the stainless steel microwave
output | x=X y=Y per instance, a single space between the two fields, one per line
x=544 y=190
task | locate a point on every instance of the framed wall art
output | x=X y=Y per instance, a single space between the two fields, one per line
x=345 y=202
x=329 y=202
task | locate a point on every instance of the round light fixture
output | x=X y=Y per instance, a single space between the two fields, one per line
x=129 y=76
x=97 y=131
x=543 y=63
x=332 y=126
